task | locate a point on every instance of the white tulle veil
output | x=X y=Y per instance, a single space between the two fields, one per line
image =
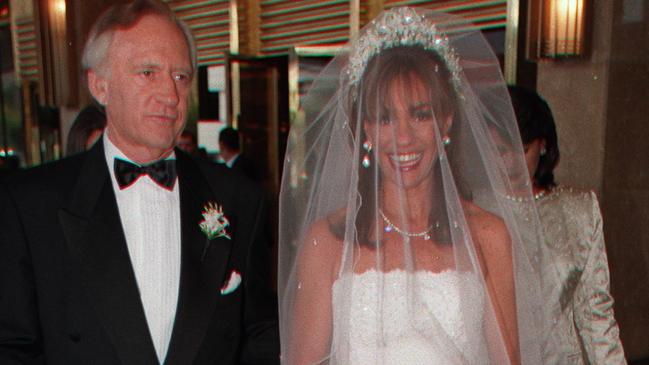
x=398 y=239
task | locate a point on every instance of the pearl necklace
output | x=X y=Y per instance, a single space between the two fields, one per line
x=391 y=227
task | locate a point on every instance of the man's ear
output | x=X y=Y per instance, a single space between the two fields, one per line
x=98 y=86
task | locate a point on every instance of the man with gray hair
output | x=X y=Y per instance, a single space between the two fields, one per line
x=132 y=252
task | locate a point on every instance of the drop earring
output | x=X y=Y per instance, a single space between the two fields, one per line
x=543 y=151
x=367 y=146
x=446 y=140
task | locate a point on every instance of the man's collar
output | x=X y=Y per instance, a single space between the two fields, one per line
x=113 y=151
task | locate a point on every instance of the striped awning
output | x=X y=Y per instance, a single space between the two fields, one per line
x=27 y=49
x=480 y=14
x=209 y=20
x=288 y=23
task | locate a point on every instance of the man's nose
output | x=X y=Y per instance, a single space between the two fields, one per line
x=168 y=91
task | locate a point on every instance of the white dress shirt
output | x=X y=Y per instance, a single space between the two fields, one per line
x=150 y=216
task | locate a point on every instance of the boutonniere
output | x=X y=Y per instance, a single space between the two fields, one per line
x=214 y=225
x=214 y=222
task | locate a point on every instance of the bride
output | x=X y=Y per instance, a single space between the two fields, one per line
x=385 y=258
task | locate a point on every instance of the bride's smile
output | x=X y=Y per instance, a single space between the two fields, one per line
x=405 y=161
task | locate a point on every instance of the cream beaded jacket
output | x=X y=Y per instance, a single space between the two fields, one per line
x=586 y=328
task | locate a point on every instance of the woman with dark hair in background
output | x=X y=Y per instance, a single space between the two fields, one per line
x=572 y=224
x=86 y=129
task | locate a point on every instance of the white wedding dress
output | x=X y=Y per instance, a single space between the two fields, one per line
x=395 y=330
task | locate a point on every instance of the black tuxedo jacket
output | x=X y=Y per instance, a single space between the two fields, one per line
x=68 y=293
x=244 y=165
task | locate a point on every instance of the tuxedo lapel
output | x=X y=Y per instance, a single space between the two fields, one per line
x=203 y=265
x=93 y=230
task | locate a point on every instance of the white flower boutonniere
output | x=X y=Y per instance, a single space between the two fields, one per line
x=214 y=222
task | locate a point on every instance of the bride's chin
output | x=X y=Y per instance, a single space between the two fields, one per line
x=409 y=181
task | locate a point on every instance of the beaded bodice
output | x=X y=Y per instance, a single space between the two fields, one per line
x=410 y=318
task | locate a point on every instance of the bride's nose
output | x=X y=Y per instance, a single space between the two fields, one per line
x=404 y=131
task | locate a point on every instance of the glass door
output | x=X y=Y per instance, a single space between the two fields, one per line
x=257 y=97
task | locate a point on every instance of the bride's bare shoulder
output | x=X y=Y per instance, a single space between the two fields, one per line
x=322 y=242
x=488 y=229
x=327 y=230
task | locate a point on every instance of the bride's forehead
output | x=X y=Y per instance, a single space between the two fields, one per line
x=403 y=84
x=406 y=92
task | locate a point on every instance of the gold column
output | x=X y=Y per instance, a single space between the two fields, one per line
x=32 y=136
x=253 y=27
x=511 y=40
x=354 y=17
x=234 y=27
x=233 y=68
x=374 y=7
x=296 y=115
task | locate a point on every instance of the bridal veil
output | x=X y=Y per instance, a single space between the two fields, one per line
x=399 y=242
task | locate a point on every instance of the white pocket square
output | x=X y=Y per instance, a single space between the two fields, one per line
x=233 y=283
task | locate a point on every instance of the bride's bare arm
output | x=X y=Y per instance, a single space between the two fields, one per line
x=311 y=313
x=496 y=254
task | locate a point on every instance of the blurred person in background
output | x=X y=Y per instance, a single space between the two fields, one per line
x=86 y=129
x=229 y=146
x=230 y=153
x=572 y=224
x=9 y=165
x=187 y=142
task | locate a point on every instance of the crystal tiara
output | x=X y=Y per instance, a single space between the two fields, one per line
x=402 y=27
